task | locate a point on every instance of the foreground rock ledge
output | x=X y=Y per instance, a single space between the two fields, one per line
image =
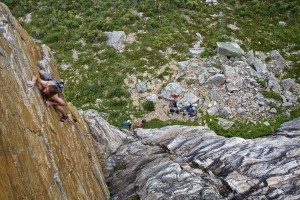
x=179 y=162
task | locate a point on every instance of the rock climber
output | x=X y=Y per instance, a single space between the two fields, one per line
x=51 y=90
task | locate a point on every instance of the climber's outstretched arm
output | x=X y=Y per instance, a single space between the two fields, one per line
x=36 y=79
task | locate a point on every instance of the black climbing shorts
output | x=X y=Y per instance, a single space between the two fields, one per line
x=46 y=77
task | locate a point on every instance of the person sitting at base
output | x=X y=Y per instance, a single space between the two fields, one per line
x=140 y=125
x=127 y=123
x=191 y=111
x=49 y=88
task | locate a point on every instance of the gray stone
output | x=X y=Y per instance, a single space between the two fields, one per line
x=215 y=96
x=225 y=124
x=226 y=112
x=287 y=104
x=233 y=27
x=261 y=55
x=273 y=111
x=213 y=70
x=189 y=64
x=141 y=86
x=234 y=81
x=171 y=88
x=211 y=1
x=203 y=74
x=289 y=96
x=276 y=55
x=282 y=23
x=248 y=95
x=270 y=101
x=183 y=64
x=213 y=110
x=230 y=49
x=259 y=96
x=188 y=99
x=196 y=51
x=179 y=75
x=274 y=85
x=108 y=138
x=217 y=79
x=241 y=111
x=291 y=128
x=288 y=84
x=116 y=39
x=152 y=97
x=250 y=57
x=259 y=66
x=266 y=123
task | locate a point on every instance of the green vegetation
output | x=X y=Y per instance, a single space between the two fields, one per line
x=134 y=197
x=271 y=95
x=118 y=166
x=250 y=130
x=99 y=73
x=149 y=106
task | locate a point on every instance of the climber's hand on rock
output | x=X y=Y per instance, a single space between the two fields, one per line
x=48 y=103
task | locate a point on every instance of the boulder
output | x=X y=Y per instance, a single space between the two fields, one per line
x=171 y=88
x=273 y=84
x=226 y=112
x=189 y=64
x=116 y=40
x=288 y=84
x=203 y=74
x=259 y=66
x=276 y=55
x=152 y=97
x=225 y=124
x=214 y=70
x=217 y=79
x=215 y=96
x=141 y=86
x=291 y=128
x=231 y=49
x=188 y=99
x=213 y=110
x=234 y=81
x=250 y=57
x=211 y=1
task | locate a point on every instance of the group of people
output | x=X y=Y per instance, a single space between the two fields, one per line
x=131 y=126
x=191 y=111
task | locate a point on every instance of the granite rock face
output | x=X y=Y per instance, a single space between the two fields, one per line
x=41 y=158
x=178 y=162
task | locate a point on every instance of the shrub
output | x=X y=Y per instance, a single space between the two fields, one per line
x=272 y=95
x=148 y=106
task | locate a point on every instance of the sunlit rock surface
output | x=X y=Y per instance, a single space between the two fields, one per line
x=40 y=158
x=179 y=162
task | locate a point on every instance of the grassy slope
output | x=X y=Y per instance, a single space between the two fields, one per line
x=62 y=23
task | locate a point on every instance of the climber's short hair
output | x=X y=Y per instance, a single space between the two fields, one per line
x=52 y=90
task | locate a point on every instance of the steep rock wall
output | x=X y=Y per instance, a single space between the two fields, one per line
x=40 y=157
